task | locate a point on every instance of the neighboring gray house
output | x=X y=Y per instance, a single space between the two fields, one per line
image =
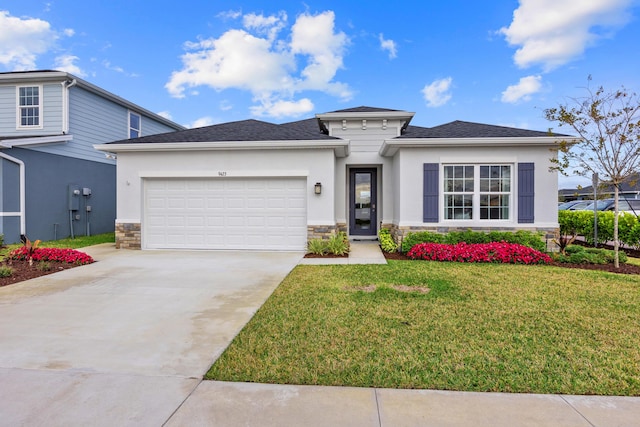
x=53 y=183
x=263 y=186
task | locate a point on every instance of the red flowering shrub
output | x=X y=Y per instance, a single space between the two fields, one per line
x=497 y=252
x=70 y=256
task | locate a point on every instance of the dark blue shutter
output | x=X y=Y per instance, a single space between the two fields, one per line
x=431 y=184
x=526 y=193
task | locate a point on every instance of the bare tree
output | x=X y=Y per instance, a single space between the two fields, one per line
x=607 y=124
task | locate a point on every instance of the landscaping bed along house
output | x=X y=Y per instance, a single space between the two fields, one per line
x=35 y=259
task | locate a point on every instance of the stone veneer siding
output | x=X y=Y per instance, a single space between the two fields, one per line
x=551 y=235
x=321 y=231
x=128 y=236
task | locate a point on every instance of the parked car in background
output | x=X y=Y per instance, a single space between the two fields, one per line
x=624 y=205
x=580 y=205
x=567 y=205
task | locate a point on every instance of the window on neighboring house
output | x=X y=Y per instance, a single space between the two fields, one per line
x=29 y=107
x=134 y=125
x=477 y=192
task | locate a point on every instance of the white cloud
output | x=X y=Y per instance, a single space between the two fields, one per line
x=22 y=40
x=225 y=105
x=257 y=59
x=165 y=114
x=523 y=90
x=266 y=25
x=388 y=45
x=66 y=63
x=438 y=92
x=235 y=60
x=314 y=36
x=69 y=32
x=281 y=108
x=201 y=122
x=554 y=32
x=230 y=14
x=109 y=66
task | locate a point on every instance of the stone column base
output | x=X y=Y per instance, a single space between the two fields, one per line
x=128 y=235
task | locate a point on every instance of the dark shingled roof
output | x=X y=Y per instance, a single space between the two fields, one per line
x=245 y=130
x=363 y=109
x=307 y=125
x=309 y=129
x=460 y=129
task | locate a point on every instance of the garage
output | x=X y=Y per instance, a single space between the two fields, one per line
x=225 y=213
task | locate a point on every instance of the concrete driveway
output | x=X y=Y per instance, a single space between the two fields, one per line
x=125 y=340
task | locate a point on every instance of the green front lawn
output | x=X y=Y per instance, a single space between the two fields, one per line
x=481 y=327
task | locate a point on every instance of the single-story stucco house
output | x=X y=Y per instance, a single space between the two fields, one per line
x=263 y=186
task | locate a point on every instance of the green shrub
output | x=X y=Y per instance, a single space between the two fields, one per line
x=317 y=246
x=632 y=236
x=43 y=266
x=5 y=271
x=1 y=240
x=338 y=244
x=573 y=249
x=580 y=223
x=413 y=238
x=575 y=254
x=386 y=241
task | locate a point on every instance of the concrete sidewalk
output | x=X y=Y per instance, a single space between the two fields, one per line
x=267 y=405
x=361 y=252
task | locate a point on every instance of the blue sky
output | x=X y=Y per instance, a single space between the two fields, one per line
x=205 y=62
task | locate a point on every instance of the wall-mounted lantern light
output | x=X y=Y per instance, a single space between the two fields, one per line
x=317 y=188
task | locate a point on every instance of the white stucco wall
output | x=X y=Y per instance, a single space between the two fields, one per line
x=314 y=165
x=408 y=167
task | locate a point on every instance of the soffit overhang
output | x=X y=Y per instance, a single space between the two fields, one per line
x=391 y=146
x=341 y=148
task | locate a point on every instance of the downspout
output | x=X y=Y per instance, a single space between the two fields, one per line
x=21 y=214
x=66 y=85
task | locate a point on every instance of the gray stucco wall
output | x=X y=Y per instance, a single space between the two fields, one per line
x=47 y=180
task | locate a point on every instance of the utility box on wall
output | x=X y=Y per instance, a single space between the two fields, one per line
x=73 y=195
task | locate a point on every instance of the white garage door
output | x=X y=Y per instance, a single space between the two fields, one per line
x=225 y=213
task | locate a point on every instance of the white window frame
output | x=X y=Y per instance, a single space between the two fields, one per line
x=131 y=129
x=475 y=195
x=19 y=108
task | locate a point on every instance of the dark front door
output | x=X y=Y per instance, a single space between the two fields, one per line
x=362 y=202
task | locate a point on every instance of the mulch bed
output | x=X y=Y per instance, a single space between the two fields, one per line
x=23 y=271
x=326 y=256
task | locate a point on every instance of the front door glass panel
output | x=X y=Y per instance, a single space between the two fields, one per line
x=363 y=201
